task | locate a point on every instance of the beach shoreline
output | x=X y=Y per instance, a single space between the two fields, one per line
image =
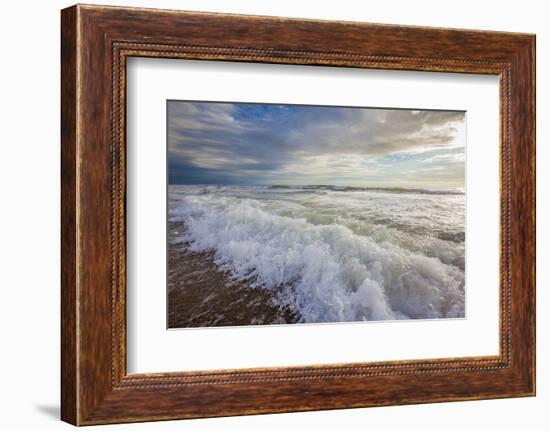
x=200 y=295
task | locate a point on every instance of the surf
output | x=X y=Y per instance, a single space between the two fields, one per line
x=327 y=271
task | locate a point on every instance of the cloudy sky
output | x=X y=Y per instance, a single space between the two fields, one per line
x=242 y=143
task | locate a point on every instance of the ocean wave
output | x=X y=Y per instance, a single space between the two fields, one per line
x=327 y=272
x=365 y=189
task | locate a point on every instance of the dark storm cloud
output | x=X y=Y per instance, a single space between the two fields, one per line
x=250 y=143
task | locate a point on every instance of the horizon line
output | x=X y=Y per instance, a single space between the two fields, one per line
x=334 y=186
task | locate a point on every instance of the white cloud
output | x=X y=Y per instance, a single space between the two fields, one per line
x=250 y=143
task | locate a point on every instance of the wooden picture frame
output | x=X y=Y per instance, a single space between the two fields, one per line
x=95 y=43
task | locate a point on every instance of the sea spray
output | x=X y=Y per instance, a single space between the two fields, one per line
x=334 y=255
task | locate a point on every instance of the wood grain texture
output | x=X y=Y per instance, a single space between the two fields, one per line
x=69 y=367
x=96 y=41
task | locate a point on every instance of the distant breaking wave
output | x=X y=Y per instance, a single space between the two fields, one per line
x=332 y=259
x=365 y=189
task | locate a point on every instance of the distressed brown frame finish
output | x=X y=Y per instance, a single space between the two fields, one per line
x=96 y=41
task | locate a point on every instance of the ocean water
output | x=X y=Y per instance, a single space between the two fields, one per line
x=333 y=254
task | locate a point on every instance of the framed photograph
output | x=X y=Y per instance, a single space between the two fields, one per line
x=264 y=215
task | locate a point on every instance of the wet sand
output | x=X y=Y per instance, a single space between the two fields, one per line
x=199 y=295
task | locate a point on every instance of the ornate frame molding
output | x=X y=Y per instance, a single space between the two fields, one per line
x=96 y=41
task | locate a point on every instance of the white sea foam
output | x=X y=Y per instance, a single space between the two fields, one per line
x=331 y=255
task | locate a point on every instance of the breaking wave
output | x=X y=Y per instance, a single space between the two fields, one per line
x=325 y=269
